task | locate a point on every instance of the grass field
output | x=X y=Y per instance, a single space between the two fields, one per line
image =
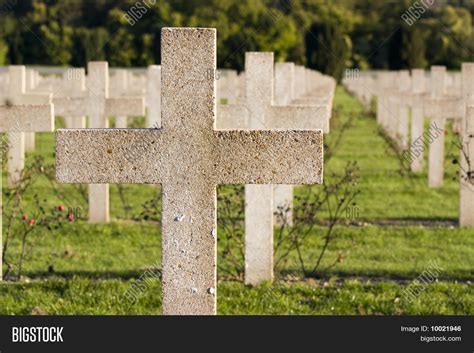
x=401 y=228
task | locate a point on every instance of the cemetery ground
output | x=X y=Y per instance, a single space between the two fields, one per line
x=384 y=240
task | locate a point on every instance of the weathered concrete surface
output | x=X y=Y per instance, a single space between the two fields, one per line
x=189 y=158
x=27 y=118
x=250 y=157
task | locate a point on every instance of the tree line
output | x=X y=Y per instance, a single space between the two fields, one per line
x=326 y=35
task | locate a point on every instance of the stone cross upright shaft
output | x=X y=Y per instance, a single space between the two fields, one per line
x=31 y=83
x=123 y=109
x=417 y=119
x=284 y=95
x=189 y=158
x=402 y=121
x=466 y=208
x=32 y=112
x=438 y=106
x=119 y=83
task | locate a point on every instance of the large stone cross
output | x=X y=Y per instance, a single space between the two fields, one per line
x=258 y=111
x=189 y=157
x=439 y=106
x=31 y=112
x=97 y=105
x=466 y=208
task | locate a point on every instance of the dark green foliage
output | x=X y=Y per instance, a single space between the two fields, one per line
x=327 y=35
x=327 y=49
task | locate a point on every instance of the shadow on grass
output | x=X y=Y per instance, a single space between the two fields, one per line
x=92 y=275
x=461 y=276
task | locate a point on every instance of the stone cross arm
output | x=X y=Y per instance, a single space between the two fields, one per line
x=27 y=118
x=284 y=117
x=299 y=117
x=443 y=107
x=233 y=157
x=74 y=107
x=122 y=106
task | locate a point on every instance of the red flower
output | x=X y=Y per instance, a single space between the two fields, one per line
x=61 y=208
x=70 y=217
x=32 y=222
x=24 y=218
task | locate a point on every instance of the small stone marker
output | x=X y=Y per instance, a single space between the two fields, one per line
x=153 y=96
x=417 y=120
x=438 y=107
x=189 y=158
x=402 y=123
x=466 y=208
x=32 y=112
x=258 y=111
x=385 y=83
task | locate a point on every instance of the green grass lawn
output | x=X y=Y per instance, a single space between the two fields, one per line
x=87 y=269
